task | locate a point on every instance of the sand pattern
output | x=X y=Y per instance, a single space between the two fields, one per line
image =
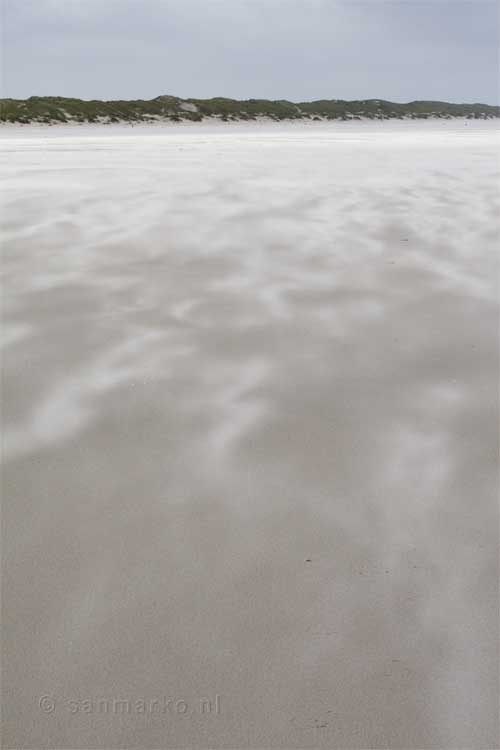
x=250 y=388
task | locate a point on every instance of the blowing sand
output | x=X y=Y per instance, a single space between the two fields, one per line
x=250 y=385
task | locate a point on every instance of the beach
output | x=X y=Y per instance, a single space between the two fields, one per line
x=250 y=435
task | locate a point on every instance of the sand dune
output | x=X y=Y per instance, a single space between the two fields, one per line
x=250 y=386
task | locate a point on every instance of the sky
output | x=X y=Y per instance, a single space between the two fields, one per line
x=299 y=50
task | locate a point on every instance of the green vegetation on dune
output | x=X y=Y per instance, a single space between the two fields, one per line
x=56 y=109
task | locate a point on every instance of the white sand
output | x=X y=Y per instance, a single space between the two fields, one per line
x=229 y=350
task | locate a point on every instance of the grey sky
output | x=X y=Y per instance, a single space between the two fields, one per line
x=291 y=49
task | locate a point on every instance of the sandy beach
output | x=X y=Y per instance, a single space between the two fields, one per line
x=250 y=435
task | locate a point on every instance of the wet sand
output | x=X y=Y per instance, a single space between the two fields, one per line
x=250 y=408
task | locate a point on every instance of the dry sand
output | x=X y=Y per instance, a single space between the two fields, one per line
x=250 y=436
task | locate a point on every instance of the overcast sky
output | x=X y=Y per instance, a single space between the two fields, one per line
x=281 y=49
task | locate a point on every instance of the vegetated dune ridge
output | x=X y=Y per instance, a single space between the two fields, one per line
x=55 y=109
x=250 y=435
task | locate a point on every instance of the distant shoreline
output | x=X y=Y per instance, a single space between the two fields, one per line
x=216 y=124
x=164 y=109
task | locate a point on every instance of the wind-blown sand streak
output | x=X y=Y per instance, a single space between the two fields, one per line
x=227 y=352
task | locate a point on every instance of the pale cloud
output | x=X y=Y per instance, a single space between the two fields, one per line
x=295 y=49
